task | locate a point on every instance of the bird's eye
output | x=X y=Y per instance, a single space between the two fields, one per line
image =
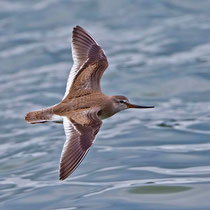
x=121 y=101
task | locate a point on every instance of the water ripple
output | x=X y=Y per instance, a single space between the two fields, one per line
x=200 y=170
x=161 y=59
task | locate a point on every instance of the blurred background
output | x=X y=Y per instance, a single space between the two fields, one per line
x=159 y=54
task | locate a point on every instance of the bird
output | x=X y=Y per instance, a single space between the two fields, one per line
x=84 y=105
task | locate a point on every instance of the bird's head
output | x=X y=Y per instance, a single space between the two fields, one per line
x=121 y=103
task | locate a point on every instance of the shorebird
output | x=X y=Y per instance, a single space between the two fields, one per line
x=83 y=106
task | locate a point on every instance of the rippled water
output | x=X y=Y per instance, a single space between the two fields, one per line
x=159 y=54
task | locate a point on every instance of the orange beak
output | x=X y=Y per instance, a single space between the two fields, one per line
x=138 y=106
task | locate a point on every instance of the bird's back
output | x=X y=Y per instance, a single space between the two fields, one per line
x=90 y=101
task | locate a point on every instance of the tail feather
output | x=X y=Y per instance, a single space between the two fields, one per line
x=40 y=116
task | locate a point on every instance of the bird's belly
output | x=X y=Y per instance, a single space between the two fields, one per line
x=57 y=119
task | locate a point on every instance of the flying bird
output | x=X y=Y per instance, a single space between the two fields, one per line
x=83 y=106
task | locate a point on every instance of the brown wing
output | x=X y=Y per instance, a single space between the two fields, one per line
x=79 y=138
x=89 y=64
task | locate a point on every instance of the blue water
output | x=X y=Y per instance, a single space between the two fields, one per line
x=159 y=54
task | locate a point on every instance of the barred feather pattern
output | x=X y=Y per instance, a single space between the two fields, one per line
x=89 y=64
x=79 y=138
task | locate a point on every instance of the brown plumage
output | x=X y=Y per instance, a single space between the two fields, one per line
x=84 y=106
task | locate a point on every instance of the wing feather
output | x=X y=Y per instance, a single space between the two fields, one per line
x=88 y=57
x=79 y=138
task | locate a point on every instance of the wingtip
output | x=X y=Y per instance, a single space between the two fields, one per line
x=62 y=178
x=77 y=27
x=81 y=29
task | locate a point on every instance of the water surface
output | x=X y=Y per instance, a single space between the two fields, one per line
x=159 y=54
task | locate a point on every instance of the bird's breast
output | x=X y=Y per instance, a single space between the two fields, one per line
x=106 y=112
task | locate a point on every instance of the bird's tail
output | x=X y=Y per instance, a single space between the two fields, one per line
x=40 y=116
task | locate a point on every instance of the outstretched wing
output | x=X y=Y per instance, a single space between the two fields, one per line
x=89 y=64
x=80 y=131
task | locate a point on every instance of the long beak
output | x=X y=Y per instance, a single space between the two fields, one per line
x=138 y=106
